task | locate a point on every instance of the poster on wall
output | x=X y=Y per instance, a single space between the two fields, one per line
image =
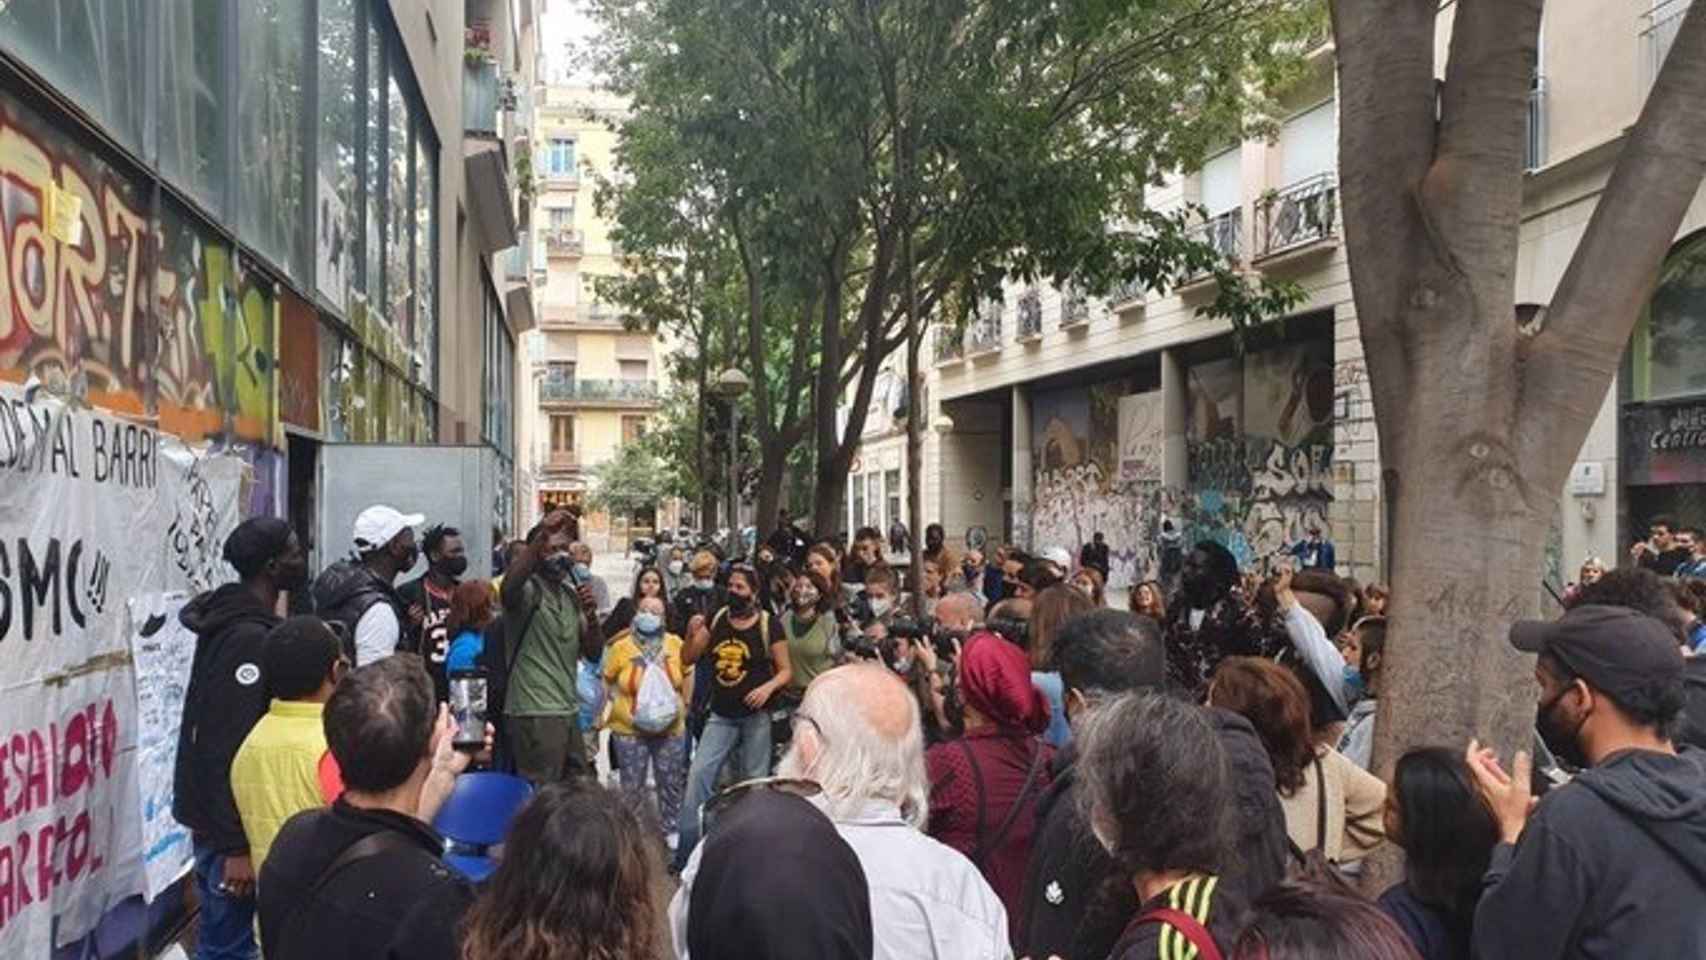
x=162 y=650
x=94 y=510
x=1141 y=447
x=332 y=247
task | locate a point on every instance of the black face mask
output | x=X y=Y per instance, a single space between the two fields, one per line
x=291 y=577
x=1563 y=741
x=740 y=603
x=452 y=566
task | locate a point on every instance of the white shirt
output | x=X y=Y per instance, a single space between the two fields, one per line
x=928 y=902
x=376 y=634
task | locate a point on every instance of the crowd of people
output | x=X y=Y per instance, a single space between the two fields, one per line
x=810 y=761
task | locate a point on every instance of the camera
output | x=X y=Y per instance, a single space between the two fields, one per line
x=910 y=629
x=1011 y=629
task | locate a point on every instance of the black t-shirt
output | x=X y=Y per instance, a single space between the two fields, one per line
x=740 y=661
x=1665 y=564
x=432 y=639
x=1216 y=906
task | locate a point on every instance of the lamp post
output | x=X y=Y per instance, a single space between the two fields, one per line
x=730 y=385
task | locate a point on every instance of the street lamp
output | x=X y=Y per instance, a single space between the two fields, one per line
x=730 y=385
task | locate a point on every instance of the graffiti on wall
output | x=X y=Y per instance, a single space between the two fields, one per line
x=1080 y=466
x=1260 y=448
x=97 y=304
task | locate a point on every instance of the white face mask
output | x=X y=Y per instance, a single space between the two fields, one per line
x=704 y=584
x=880 y=606
x=647 y=623
x=675 y=567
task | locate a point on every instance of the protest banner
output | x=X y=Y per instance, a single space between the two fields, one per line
x=95 y=510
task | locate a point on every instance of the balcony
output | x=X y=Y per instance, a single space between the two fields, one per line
x=586 y=316
x=1126 y=295
x=1074 y=308
x=1302 y=217
x=1225 y=234
x=614 y=393
x=517 y=265
x=565 y=243
x=950 y=347
x=1030 y=315
x=558 y=462
x=485 y=155
x=984 y=334
x=1658 y=32
x=1534 y=148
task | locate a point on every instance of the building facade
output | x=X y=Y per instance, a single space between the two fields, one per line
x=593 y=384
x=270 y=226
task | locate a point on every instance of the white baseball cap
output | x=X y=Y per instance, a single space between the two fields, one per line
x=1058 y=556
x=378 y=525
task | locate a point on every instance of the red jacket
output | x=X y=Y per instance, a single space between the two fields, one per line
x=1001 y=759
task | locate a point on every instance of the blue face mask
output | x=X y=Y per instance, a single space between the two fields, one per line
x=583 y=573
x=1355 y=686
x=647 y=623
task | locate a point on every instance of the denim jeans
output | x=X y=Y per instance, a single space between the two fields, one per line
x=748 y=740
x=227 y=922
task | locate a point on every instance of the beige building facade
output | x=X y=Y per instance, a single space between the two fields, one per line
x=592 y=385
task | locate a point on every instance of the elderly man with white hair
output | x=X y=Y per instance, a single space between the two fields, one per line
x=857 y=736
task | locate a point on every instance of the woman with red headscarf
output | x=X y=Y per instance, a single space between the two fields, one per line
x=984 y=787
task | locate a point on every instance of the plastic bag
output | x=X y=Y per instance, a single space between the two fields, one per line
x=656 y=706
x=589 y=687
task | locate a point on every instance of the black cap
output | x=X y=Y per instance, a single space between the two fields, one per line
x=256 y=541
x=1615 y=649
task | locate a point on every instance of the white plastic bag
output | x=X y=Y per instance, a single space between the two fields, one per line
x=656 y=706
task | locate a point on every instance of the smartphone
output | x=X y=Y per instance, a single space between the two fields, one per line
x=468 y=709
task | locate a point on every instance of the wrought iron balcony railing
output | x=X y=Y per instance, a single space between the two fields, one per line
x=1074 y=307
x=949 y=345
x=1301 y=214
x=1030 y=315
x=561 y=390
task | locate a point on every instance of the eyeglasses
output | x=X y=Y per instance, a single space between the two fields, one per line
x=725 y=799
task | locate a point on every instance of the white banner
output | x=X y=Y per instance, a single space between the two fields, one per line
x=1140 y=438
x=94 y=512
x=162 y=651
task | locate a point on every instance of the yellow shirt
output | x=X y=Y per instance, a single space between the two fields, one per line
x=275 y=774
x=622 y=678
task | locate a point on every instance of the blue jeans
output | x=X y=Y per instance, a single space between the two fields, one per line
x=227 y=923
x=722 y=738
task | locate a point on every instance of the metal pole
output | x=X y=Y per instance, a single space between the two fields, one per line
x=734 y=479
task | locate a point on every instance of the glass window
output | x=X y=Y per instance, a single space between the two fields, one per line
x=426 y=258
x=632 y=369
x=1307 y=144
x=874 y=496
x=562 y=434
x=560 y=157
x=1222 y=187
x=399 y=211
x=633 y=429
x=373 y=179
x=269 y=124
x=858 y=503
x=1668 y=352
x=560 y=219
x=891 y=481
x=336 y=198
x=92 y=50
x=194 y=98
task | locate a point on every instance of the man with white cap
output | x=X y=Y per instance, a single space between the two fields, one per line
x=357 y=594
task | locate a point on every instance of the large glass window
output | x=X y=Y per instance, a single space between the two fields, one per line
x=337 y=226
x=1222 y=188
x=499 y=375
x=194 y=98
x=560 y=158
x=399 y=210
x=270 y=94
x=92 y=50
x=374 y=175
x=1667 y=355
x=426 y=256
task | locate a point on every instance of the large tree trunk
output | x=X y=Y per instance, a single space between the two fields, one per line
x=1479 y=422
x=830 y=491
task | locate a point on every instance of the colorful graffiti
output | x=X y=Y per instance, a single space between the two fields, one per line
x=1078 y=489
x=96 y=304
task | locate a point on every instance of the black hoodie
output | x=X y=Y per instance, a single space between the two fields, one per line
x=1611 y=865
x=227 y=696
x=1076 y=903
x=1694 y=702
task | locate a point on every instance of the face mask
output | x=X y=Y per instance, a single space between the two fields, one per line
x=740 y=603
x=1355 y=686
x=453 y=566
x=805 y=599
x=675 y=567
x=558 y=565
x=583 y=573
x=1563 y=741
x=703 y=584
x=880 y=606
x=647 y=623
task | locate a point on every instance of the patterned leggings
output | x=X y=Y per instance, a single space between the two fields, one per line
x=667 y=764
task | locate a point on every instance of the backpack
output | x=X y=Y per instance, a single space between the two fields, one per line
x=656 y=706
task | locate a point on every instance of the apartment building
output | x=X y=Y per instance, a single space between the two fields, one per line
x=1054 y=415
x=593 y=384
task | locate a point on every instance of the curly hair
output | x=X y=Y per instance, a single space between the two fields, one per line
x=1274 y=701
x=579 y=879
x=1640 y=590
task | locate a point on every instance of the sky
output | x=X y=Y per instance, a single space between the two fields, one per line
x=564 y=29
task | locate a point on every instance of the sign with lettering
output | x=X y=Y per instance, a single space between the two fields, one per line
x=1665 y=443
x=95 y=511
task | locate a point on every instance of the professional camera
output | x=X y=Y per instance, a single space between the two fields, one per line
x=910 y=629
x=1011 y=629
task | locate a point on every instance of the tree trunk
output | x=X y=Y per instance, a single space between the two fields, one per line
x=771 y=469
x=1479 y=422
x=830 y=492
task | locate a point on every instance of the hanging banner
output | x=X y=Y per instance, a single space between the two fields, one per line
x=94 y=511
x=162 y=651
